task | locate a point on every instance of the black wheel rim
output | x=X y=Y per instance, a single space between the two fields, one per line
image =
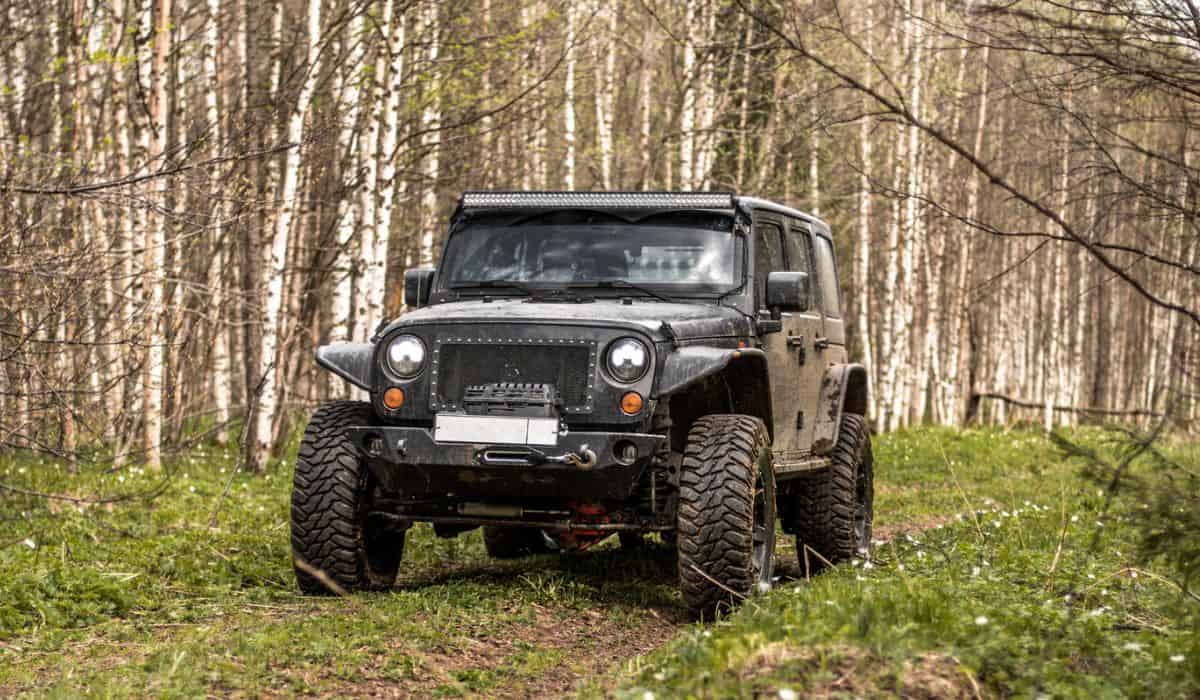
x=764 y=531
x=863 y=506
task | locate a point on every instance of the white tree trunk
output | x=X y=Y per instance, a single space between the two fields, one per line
x=268 y=398
x=154 y=255
x=368 y=300
x=569 y=100
x=348 y=221
x=606 y=67
x=687 y=116
x=431 y=120
x=388 y=184
x=862 y=256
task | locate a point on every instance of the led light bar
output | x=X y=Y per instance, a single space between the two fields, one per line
x=600 y=200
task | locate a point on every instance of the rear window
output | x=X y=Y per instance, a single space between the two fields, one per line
x=827 y=277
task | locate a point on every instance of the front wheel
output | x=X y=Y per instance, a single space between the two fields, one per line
x=726 y=515
x=336 y=546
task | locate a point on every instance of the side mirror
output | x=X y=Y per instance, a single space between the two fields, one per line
x=418 y=283
x=788 y=291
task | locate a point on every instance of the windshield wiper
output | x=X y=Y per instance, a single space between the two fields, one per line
x=537 y=293
x=623 y=284
x=496 y=284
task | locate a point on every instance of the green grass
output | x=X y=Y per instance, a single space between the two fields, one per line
x=1006 y=599
x=148 y=597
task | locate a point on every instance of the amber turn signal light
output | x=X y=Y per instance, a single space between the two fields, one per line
x=393 y=398
x=631 y=402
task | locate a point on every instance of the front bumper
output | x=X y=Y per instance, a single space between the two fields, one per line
x=408 y=460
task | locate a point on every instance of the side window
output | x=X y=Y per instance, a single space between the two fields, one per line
x=768 y=257
x=798 y=253
x=827 y=277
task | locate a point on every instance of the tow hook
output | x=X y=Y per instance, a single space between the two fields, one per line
x=585 y=461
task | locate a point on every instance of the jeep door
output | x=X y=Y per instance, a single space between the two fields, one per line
x=783 y=244
x=825 y=294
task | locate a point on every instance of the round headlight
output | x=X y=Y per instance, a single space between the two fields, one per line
x=406 y=356
x=628 y=359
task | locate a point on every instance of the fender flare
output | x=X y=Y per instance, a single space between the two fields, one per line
x=843 y=390
x=688 y=365
x=350 y=361
x=751 y=394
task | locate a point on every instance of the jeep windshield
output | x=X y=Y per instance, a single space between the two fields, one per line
x=696 y=256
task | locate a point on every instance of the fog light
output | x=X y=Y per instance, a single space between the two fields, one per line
x=373 y=444
x=393 y=398
x=631 y=403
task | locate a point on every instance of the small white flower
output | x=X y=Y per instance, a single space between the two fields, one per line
x=787 y=694
x=660 y=676
x=981 y=620
x=900 y=567
x=1074 y=518
x=191 y=489
x=868 y=565
x=830 y=602
x=920 y=554
x=647 y=695
x=1132 y=646
x=707 y=633
x=975 y=571
x=28 y=542
x=1177 y=658
x=1132 y=574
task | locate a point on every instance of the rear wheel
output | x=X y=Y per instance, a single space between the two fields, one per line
x=513 y=542
x=726 y=516
x=835 y=508
x=336 y=547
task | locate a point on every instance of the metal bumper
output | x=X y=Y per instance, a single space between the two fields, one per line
x=583 y=465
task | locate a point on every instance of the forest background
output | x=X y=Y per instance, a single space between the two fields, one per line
x=194 y=194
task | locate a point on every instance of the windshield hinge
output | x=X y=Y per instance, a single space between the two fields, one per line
x=668 y=331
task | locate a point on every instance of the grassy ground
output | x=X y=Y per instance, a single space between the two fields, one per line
x=190 y=593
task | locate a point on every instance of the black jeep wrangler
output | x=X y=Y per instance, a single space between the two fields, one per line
x=588 y=363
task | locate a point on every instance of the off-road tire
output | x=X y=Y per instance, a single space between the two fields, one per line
x=331 y=493
x=834 y=507
x=513 y=542
x=726 y=514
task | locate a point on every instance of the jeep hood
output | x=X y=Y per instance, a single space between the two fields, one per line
x=686 y=321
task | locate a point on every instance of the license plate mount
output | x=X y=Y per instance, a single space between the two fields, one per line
x=495 y=430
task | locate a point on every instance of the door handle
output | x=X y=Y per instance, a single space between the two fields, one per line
x=795 y=341
x=820 y=343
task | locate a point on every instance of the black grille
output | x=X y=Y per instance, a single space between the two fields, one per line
x=464 y=365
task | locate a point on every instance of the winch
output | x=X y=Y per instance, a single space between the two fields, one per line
x=511 y=399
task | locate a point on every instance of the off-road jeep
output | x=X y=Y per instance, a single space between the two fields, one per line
x=588 y=363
